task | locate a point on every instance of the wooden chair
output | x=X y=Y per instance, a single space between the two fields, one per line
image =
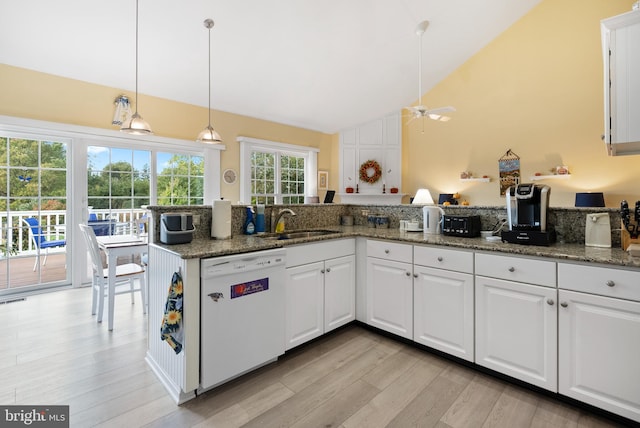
x=126 y=274
x=40 y=240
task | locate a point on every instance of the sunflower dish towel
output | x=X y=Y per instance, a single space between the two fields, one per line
x=171 y=330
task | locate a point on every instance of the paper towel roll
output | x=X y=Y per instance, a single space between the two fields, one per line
x=221 y=220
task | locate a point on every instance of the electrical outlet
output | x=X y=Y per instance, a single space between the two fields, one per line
x=196 y=219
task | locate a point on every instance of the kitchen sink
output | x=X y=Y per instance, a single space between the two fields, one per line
x=293 y=234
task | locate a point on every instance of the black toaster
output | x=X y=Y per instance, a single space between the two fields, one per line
x=467 y=226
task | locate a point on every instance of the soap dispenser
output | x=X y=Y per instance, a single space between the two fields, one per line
x=249 y=224
x=260 y=220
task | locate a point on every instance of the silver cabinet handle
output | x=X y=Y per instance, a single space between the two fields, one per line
x=215 y=296
x=408 y=273
x=386 y=251
x=611 y=283
x=512 y=269
x=439 y=258
x=321 y=270
x=550 y=302
x=328 y=270
x=564 y=304
x=415 y=275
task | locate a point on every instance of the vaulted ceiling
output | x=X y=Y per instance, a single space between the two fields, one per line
x=321 y=65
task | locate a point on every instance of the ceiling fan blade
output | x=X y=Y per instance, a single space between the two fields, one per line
x=440 y=110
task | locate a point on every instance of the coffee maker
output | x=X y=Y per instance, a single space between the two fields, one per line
x=527 y=208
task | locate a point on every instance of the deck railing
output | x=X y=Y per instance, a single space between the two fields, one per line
x=54 y=226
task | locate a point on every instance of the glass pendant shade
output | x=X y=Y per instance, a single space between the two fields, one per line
x=209 y=136
x=136 y=125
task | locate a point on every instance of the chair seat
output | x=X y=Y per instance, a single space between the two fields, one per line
x=125 y=270
x=51 y=244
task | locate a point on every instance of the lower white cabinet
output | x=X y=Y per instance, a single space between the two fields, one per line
x=599 y=352
x=516 y=330
x=304 y=293
x=390 y=296
x=339 y=292
x=599 y=337
x=320 y=295
x=443 y=311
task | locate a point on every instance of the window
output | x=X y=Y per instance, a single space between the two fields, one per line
x=180 y=179
x=276 y=173
x=118 y=180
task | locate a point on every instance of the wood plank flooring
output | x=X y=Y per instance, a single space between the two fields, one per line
x=53 y=352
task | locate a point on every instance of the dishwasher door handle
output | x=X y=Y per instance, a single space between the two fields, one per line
x=216 y=295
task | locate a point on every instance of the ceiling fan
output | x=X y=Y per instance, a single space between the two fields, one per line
x=420 y=110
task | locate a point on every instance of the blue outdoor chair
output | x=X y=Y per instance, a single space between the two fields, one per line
x=40 y=240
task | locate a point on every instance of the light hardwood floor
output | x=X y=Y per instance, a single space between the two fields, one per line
x=53 y=352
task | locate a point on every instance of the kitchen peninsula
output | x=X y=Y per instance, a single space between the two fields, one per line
x=552 y=288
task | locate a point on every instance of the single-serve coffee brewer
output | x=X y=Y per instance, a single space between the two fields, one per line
x=527 y=209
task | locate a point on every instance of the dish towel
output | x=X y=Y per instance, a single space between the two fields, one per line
x=171 y=330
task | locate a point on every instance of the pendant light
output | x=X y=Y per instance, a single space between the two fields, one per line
x=136 y=125
x=208 y=134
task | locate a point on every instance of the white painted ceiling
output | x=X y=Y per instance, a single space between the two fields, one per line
x=321 y=65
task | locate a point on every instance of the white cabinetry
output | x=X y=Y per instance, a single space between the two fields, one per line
x=390 y=287
x=599 y=337
x=378 y=140
x=516 y=322
x=621 y=51
x=320 y=289
x=443 y=300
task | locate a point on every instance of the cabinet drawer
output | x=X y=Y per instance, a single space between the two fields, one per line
x=390 y=251
x=457 y=260
x=610 y=282
x=519 y=269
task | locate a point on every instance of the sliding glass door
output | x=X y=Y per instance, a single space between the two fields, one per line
x=33 y=212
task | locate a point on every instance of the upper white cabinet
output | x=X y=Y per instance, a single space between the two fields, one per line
x=379 y=140
x=621 y=51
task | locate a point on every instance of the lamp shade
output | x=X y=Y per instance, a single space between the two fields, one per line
x=590 y=199
x=423 y=197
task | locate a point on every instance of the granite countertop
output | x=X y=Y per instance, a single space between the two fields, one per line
x=204 y=248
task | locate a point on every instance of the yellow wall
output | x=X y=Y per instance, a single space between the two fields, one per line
x=28 y=94
x=536 y=89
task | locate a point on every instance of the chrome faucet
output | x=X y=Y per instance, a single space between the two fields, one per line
x=282 y=212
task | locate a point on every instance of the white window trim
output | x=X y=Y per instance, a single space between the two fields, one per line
x=248 y=145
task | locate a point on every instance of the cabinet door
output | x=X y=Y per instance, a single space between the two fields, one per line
x=304 y=303
x=516 y=330
x=339 y=292
x=599 y=348
x=390 y=296
x=443 y=311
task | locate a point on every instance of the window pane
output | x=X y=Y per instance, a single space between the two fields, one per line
x=23 y=153
x=23 y=182
x=53 y=155
x=54 y=183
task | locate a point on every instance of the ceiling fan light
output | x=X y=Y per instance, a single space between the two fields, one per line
x=209 y=136
x=136 y=125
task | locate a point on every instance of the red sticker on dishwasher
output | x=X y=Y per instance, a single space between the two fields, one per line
x=250 y=287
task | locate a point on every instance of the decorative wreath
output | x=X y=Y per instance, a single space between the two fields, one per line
x=370 y=171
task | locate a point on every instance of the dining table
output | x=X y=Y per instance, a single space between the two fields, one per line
x=115 y=246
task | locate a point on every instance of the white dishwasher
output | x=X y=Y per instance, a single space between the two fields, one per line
x=242 y=314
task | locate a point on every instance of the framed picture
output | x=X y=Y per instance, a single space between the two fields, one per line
x=323 y=179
